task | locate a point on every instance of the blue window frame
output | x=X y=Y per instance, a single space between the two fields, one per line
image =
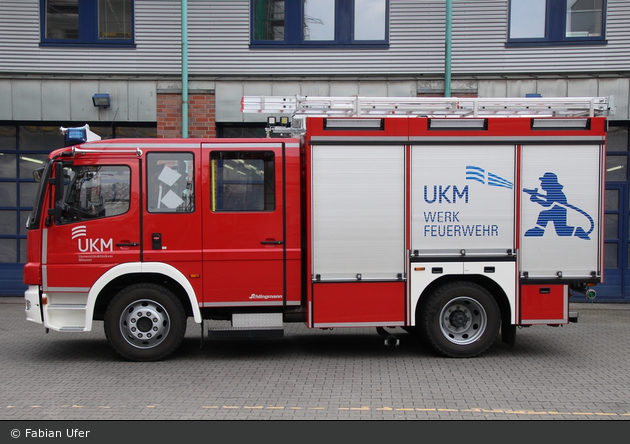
x=87 y=22
x=556 y=22
x=319 y=23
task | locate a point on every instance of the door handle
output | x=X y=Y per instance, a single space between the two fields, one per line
x=128 y=244
x=272 y=242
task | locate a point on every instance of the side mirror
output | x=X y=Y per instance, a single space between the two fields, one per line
x=37 y=174
x=57 y=182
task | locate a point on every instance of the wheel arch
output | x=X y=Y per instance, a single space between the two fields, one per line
x=123 y=275
x=497 y=292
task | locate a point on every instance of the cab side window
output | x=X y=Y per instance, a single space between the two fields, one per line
x=170 y=183
x=92 y=192
x=242 y=181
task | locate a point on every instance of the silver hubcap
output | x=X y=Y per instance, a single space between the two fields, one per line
x=144 y=324
x=463 y=320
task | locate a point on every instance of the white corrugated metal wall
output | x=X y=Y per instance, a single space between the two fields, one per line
x=157 y=51
x=219 y=44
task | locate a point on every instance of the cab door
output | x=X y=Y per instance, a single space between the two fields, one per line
x=244 y=241
x=96 y=225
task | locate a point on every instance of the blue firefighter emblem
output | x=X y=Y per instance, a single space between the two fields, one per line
x=557 y=207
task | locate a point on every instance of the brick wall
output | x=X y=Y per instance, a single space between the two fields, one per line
x=201 y=115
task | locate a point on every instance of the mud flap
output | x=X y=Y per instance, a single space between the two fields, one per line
x=508 y=334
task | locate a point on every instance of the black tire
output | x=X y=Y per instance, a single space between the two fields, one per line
x=413 y=331
x=460 y=320
x=145 y=322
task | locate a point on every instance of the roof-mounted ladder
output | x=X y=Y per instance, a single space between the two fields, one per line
x=429 y=106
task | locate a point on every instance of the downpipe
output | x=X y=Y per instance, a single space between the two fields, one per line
x=184 y=43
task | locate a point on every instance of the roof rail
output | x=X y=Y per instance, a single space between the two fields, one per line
x=356 y=106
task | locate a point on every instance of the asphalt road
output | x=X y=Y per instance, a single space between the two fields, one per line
x=575 y=372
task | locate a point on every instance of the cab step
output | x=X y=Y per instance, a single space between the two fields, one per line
x=251 y=326
x=246 y=333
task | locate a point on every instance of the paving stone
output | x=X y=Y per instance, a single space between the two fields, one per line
x=574 y=372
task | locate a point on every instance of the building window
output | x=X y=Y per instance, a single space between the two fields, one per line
x=556 y=22
x=23 y=149
x=87 y=22
x=319 y=23
x=616 y=227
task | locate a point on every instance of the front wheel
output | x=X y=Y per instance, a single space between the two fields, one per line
x=460 y=320
x=145 y=322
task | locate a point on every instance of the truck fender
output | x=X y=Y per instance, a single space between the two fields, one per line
x=140 y=267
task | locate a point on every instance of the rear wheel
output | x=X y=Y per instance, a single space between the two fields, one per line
x=460 y=319
x=145 y=322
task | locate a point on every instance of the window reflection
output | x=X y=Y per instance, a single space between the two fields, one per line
x=114 y=19
x=7 y=165
x=28 y=191
x=8 y=194
x=29 y=163
x=319 y=20
x=612 y=200
x=616 y=168
x=40 y=138
x=62 y=19
x=8 y=251
x=610 y=255
x=527 y=19
x=22 y=251
x=269 y=20
x=325 y=22
x=584 y=18
x=7 y=137
x=8 y=222
x=617 y=138
x=369 y=19
x=612 y=226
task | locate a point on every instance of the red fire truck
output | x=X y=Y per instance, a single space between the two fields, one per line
x=454 y=219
